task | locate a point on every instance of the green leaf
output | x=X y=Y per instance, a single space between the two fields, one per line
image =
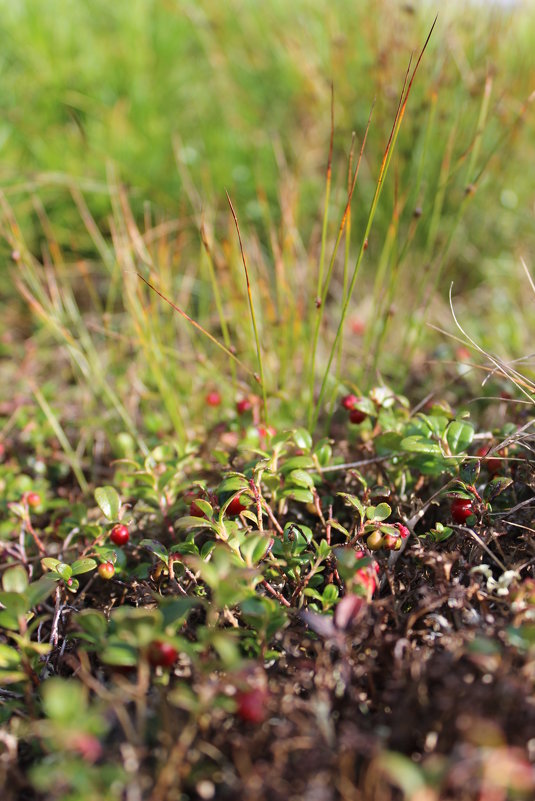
x=195 y=522
x=136 y=625
x=120 y=654
x=323 y=549
x=496 y=487
x=233 y=483
x=157 y=549
x=108 y=501
x=420 y=444
x=15 y=604
x=50 y=563
x=402 y=772
x=352 y=500
x=339 y=527
x=64 y=700
x=296 y=463
x=83 y=566
x=302 y=439
x=41 y=589
x=330 y=594
x=9 y=657
x=469 y=470
x=459 y=435
x=92 y=622
x=300 y=478
x=15 y=579
x=323 y=452
x=254 y=548
x=297 y=494
x=378 y=513
x=64 y=570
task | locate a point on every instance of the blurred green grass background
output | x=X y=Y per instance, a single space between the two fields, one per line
x=179 y=101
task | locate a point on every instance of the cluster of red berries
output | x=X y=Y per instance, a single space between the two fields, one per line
x=389 y=539
x=350 y=402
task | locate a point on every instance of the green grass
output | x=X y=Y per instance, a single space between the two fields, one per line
x=249 y=92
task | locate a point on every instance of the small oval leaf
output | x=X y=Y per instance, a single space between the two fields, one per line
x=108 y=501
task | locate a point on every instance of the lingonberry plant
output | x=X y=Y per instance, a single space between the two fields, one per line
x=290 y=592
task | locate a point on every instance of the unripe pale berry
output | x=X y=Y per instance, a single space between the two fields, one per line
x=375 y=541
x=106 y=570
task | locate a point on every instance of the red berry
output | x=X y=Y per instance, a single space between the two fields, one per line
x=119 y=534
x=266 y=431
x=213 y=398
x=493 y=465
x=243 y=406
x=162 y=654
x=235 y=507
x=106 y=570
x=195 y=511
x=33 y=499
x=349 y=401
x=356 y=416
x=251 y=705
x=461 y=510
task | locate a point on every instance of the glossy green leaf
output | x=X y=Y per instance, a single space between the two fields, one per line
x=83 y=566
x=109 y=502
x=459 y=435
